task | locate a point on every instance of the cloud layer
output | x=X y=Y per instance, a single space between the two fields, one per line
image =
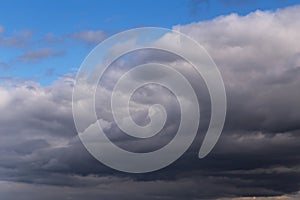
x=257 y=155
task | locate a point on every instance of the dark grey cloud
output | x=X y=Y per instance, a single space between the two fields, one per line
x=257 y=154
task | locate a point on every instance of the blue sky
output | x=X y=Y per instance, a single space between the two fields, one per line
x=44 y=40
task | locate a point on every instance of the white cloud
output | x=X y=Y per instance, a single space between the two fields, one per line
x=258 y=56
x=5 y=97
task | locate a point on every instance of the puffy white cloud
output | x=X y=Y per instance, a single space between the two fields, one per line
x=258 y=56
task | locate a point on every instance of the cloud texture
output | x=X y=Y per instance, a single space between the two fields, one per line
x=258 y=152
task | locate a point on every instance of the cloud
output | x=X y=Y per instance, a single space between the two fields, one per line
x=4 y=65
x=256 y=156
x=36 y=55
x=51 y=38
x=284 y=197
x=90 y=37
x=20 y=38
x=2 y=29
x=257 y=66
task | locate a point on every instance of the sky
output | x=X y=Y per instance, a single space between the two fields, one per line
x=256 y=46
x=45 y=40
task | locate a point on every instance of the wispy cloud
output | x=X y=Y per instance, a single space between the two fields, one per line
x=2 y=30
x=17 y=39
x=4 y=65
x=40 y=54
x=90 y=37
x=51 y=38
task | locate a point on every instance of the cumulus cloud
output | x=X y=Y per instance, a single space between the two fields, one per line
x=90 y=37
x=257 y=155
x=257 y=55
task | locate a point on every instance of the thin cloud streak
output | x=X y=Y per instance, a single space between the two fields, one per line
x=40 y=54
x=90 y=37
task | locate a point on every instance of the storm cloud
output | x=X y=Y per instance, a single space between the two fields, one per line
x=258 y=56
